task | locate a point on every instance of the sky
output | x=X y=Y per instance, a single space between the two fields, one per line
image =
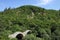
x=47 y=4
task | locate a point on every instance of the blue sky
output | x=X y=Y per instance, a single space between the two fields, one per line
x=48 y=4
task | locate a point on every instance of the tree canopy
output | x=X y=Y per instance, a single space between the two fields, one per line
x=44 y=24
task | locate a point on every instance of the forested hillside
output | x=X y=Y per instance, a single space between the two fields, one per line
x=44 y=24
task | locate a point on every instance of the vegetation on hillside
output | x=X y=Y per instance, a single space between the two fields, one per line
x=44 y=24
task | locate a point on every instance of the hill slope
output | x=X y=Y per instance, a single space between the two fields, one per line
x=39 y=20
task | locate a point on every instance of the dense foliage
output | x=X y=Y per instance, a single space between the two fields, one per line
x=44 y=24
